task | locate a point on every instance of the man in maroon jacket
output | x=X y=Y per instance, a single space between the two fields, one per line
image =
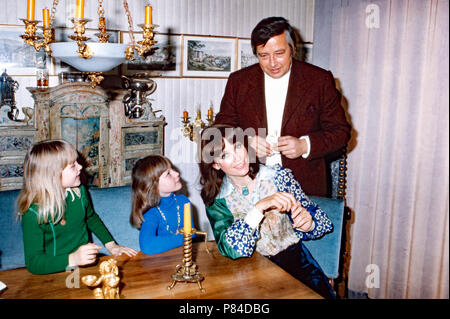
x=293 y=107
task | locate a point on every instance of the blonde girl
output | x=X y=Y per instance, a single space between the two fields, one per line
x=56 y=214
x=156 y=211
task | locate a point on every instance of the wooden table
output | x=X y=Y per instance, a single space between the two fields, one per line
x=148 y=276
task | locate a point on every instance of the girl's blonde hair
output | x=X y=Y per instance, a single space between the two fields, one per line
x=144 y=187
x=42 y=185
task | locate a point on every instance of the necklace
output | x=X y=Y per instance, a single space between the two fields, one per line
x=164 y=217
x=244 y=189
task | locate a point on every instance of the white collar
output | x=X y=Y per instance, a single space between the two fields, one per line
x=283 y=79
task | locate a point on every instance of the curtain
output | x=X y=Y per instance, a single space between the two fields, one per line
x=391 y=61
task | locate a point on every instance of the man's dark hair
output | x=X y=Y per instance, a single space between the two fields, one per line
x=270 y=27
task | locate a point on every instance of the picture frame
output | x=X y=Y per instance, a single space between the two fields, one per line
x=208 y=56
x=165 y=61
x=245 y=54
x=62 y=35
x=16 y=56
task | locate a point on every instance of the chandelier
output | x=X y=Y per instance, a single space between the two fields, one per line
x=95 y=57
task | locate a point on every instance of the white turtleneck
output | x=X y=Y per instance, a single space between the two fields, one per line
x=275 y=94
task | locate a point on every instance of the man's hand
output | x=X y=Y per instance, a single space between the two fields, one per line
x=260 y=145
x=292 y=147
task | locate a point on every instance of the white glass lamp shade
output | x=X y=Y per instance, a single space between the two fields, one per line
x=105 y=56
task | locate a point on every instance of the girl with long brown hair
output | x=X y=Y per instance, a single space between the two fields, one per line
x=155 y=206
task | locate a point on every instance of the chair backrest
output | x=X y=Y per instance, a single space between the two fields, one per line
x=328 y=249
x=337 y=173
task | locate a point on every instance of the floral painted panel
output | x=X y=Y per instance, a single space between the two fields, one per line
x=84 y=135
x=141 y=138
x=129 y=163
x=11 y=170
x=15 y=143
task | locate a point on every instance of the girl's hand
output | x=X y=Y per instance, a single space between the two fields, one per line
x=302 y=219
x=281 y=201
x=117 y=250
x=84 y=255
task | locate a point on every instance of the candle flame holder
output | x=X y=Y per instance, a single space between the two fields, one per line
x=34 y=40
x=188 y=270
x=79 y=28
x=193 y=130
x=143 y=47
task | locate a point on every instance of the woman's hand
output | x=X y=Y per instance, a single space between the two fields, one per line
x=302 y=219
x=281 y=201
x=84 y=255
x=116 y=250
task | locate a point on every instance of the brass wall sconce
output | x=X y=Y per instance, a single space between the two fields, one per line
x=193 y=130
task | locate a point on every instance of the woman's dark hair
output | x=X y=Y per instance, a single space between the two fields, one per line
x=270 y=27
x=211 y=146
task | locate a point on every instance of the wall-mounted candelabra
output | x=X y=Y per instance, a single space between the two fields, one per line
x=193 y=130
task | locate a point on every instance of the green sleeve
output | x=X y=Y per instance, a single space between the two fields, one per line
x=93 y=221
x=37 y=259
x=221 y=219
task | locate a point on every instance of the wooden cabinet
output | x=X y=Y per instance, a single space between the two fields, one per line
x=93 y=121
x=14 y=144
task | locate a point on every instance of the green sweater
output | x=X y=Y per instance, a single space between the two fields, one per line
x=47 y=246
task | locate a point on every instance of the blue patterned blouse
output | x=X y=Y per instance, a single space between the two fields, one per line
x=235 y=238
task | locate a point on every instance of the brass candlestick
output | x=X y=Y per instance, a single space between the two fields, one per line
x=187 y=272
x=79 y=28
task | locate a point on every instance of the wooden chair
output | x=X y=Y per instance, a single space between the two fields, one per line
x=329 y=251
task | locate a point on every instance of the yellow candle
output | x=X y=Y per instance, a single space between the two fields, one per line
x=187 y=218
x=210 y=112
x=46 y=17
x=148 y=15
x=30 y=9
x=80 y=9
x=185 y=115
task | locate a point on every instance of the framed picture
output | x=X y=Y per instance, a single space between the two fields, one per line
x=208 y=56
x=245 y=54
x=165 y=59
x=17 y=57
x=62 y=35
